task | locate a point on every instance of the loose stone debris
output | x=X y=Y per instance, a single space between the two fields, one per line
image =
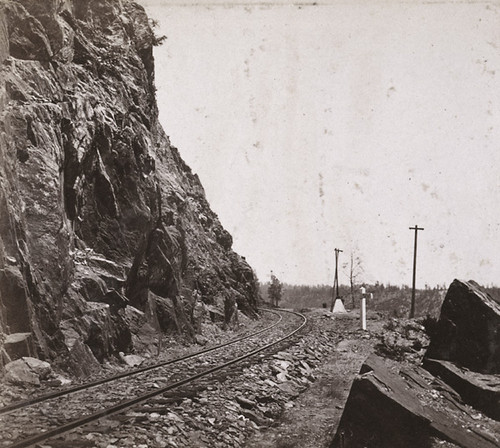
x=306 y=394
x=230 y=408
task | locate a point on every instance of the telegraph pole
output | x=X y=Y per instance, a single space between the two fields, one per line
x=335 y=292
x=412 y=309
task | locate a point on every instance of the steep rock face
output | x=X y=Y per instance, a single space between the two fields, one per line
x=103 y=227
x=468 y=330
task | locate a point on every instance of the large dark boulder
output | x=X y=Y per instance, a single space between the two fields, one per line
x=468 y=330
x=390 y=406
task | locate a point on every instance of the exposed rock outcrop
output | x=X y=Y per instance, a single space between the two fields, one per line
x=468 y=330
x=400 y=404
x=390 y=406
x=99 y=215
x=477 y=389
x=465 y=346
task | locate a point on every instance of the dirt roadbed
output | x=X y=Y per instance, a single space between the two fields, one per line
x=315 y=415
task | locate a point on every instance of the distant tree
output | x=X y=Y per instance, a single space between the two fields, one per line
x=274 y=290
x=353 y=269
x=157 y=40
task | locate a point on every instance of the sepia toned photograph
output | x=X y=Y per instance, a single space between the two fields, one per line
x=245 y=223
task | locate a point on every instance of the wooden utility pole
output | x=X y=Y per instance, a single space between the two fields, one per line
x=335 y=292
x=412 y=309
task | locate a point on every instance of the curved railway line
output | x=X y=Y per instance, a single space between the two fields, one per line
x=128 y=373
x=42 y=419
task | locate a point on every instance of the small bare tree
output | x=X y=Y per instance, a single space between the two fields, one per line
x=353 y=269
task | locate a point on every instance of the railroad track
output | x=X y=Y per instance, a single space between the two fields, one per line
x=128 y=373
x=49 y=418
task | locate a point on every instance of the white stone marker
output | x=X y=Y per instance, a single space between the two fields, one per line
x=363 y=308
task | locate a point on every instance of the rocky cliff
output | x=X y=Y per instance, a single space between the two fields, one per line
x=104 y=230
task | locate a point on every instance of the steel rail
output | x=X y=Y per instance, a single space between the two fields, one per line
x=142 y=398
x=30 y=401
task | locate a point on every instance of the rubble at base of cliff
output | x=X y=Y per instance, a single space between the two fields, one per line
x=25 y=377
x=238 y=406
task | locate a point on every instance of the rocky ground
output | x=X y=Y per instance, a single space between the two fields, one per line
x=22 y=380
x=311 y=419
x=291 y=397
x=297 y=395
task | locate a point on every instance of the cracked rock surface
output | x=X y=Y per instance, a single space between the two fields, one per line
x=106 y=236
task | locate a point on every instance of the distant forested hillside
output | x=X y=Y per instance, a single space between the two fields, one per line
x=388 y=299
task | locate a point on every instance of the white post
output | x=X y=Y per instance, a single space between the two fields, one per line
x=363 y=313
x=362 y=308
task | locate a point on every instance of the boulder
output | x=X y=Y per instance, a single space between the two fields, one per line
x=20 y=374
x=27 y=371
x=468 y=330
x=131 y=360
x=40 y=368
x=393 y=407
x=200 y=340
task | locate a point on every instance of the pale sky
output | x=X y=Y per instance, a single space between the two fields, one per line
x=341 y=125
